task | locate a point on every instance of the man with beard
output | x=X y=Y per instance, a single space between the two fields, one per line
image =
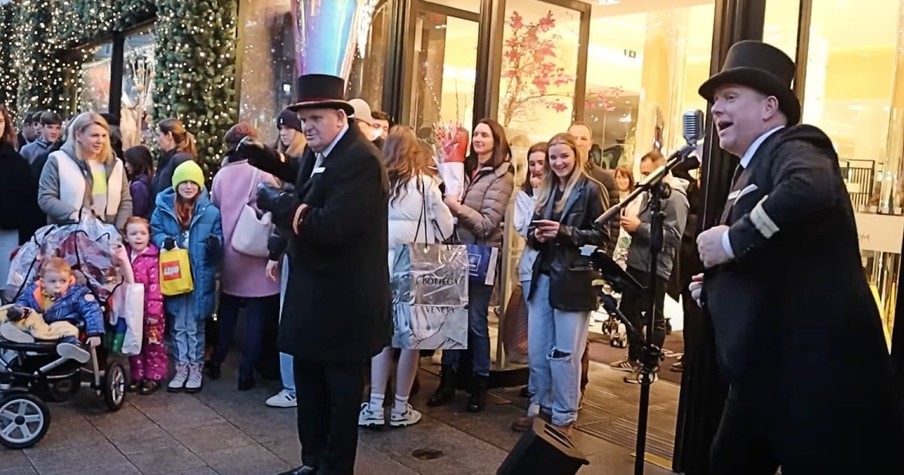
x=336 y=312
x=798 y=335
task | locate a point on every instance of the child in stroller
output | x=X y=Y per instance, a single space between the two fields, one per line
x=56 y=295
x=34 y=369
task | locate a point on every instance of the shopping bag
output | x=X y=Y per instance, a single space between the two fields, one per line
x=252 y=232
x=482 y=264
x=430 y=297
x=128 y=306
x=175 y=273
x=514 y=327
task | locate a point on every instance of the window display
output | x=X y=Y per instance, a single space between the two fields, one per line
x=139 y=63
x=94 y=80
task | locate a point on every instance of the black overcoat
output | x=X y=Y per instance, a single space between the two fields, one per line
x=797 y=328
x=337 y=303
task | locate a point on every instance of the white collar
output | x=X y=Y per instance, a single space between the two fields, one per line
x=336 y=140
x=751 y=150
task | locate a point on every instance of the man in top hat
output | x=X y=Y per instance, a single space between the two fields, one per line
x=798 y=334
x=336 y=312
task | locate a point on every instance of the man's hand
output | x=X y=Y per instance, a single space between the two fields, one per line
x=696 y=287
x=93 y=341
x=256 y=152
x=709 y=244
x=630 y=223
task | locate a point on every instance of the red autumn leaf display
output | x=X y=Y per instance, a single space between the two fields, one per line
x=531 y=70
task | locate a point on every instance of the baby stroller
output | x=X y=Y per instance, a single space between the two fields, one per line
x=33 y=372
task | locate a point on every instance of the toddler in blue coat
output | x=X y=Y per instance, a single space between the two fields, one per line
x=184 y=217
x=56 y=295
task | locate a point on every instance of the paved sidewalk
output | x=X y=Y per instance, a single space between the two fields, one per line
x=223 y=431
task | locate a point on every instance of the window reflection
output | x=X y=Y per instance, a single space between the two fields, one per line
x=94 y=79
x=139 y=66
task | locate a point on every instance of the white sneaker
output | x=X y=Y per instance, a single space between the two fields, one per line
x=73 y=352
x=178 y=382
x=282 y=399
x=407 y=418
x=195 y=378
x=369 y=418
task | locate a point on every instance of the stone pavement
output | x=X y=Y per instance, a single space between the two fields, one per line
x=223 y=431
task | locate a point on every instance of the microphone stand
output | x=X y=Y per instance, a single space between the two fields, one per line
x=652 y=354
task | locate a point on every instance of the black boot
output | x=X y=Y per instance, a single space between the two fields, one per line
x=478 y=399
x=446 y=390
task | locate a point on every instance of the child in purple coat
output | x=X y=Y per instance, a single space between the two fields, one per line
x=140 y=168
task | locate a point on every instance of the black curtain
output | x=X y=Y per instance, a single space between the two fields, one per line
x=702 y=389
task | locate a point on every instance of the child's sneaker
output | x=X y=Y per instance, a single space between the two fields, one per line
x=370 y=418
x=73 y=351
x=406 y=418
x=195 y=378
x=178 y=382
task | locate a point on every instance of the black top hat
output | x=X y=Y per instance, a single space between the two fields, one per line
x=762 y=67
x=321 y=91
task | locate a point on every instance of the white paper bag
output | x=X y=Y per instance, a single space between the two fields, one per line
x=128 y=304
x=453 y=175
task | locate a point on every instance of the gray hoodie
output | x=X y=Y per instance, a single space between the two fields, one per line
x=675 y=208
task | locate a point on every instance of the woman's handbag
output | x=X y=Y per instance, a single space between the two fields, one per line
x=175 y=273
x=252 y=233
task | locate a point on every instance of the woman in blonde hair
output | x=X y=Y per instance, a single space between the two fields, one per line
x=561 y=294
x=84 y=176
x=412 y=193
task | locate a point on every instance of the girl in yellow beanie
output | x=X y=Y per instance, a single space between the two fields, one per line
x=184 y=217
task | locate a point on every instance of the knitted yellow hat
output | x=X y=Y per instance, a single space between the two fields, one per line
x=188 y=171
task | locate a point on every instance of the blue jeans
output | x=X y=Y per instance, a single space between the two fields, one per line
x=286 y=371
x=188 y=330
x=256 y=311
x=555 y=344
x=478 y=331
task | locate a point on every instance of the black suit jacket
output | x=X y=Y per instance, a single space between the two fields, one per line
x=338 y=299
x=796 y=326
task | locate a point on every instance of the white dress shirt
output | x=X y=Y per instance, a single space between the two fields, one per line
x=321 y=156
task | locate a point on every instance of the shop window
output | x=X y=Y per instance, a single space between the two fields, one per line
x=268 y=61
x=94 y=79
x=539 y=66
x=443 y=76
x=139 y=65
x=646 y=63
x=854 y=91
x=369 y=66
x=780 y=25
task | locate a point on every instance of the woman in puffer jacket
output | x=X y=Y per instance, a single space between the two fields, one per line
x=480 y=213
x=413 y=194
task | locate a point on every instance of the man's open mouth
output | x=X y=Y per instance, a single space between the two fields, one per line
x=724 y=125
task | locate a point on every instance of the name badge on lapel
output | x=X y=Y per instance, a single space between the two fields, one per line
x=318 y=170
x=737 y=194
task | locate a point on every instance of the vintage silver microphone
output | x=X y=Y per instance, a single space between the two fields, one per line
x=692 y=129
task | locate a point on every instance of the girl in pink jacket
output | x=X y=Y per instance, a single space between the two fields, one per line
x=149 y=368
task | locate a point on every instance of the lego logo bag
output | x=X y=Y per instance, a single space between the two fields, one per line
x=175 y=273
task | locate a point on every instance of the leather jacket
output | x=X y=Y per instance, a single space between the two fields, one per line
x=570 y=274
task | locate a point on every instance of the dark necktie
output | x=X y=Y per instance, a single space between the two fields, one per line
x=739 y=170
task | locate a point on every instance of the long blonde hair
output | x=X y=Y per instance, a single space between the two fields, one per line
x=551 y=181
x=79 y=125
x=184 y=140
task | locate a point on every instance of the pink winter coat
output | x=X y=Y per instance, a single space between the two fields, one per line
x=146 y=267
x=243 y=275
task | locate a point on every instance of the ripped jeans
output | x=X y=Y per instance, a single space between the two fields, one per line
x=555 y=344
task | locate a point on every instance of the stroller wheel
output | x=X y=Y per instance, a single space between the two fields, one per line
x=114 y=387
x=24 y=419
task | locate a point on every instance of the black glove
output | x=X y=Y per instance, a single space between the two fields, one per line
x=213 y=243
x=169 y=244
x=282 y=205
x=256 y=152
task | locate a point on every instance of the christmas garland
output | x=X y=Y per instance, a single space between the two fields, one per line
x=195 y=50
